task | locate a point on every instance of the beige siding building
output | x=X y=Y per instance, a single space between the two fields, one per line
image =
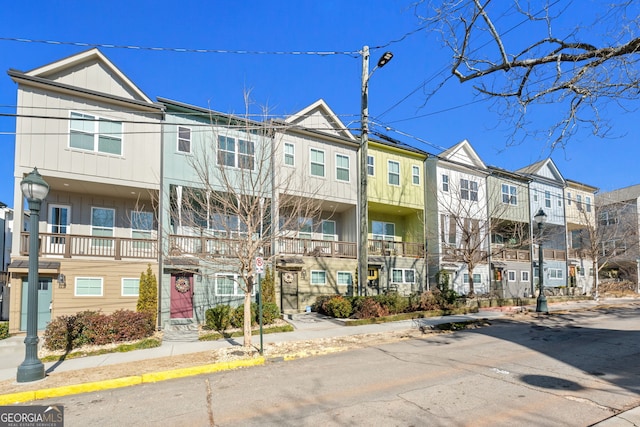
x=95 y=139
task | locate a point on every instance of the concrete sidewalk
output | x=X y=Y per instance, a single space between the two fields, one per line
x=307 y=326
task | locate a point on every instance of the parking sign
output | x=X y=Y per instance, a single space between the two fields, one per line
x=259 y=265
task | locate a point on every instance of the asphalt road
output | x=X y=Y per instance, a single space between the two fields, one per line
x=562 y=370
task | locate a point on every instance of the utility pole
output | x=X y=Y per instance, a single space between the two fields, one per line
x=363 y=234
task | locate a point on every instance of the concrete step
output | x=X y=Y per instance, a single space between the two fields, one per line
x=181 y=330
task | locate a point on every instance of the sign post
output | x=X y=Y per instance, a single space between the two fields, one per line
x=259 y=271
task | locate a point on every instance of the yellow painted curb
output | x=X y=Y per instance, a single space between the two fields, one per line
x=87 y=387
x=27 y=396
x=204 y=369
x=23 y=396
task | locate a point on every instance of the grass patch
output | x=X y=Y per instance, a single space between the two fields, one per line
x=214 y=336
x=411 y=315
x=121 y=348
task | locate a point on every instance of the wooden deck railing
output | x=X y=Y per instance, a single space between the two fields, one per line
x=72 y=245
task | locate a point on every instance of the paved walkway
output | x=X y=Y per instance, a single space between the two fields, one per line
x=308 y=326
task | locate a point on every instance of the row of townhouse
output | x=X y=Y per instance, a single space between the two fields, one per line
x=135 y=182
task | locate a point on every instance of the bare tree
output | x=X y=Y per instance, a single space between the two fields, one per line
x=467 y=222
x=609 y=238
x=227 y=217
x=525 y=53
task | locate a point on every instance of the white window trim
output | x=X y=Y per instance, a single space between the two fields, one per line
x=311 y=277
x=415 y=173
x=113 y=228
x=68 y=224
x=292 y=154
x=445 y=183
x=311 y=163
x=236 y=287
x=509 y=273
x=324 y=236
x=122 y=287
x=389 y=162
x=404 y=275
x=371 y=165
x=178 y=150
x=75 y=287
x=96 y=133
x=348 y=168
x=140 y=230
x=338 y=273
x=524 y=276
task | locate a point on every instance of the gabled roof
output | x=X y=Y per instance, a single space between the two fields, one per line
x=544 y=169
x=463 y=154
x=89 y=72
x=319 y=116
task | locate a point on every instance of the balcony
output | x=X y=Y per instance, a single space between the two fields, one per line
x=512 y=255
x=450 y=254
x=402 y=249
x=74 y=246
x=206 y=246
x=318 y=248
x=554 y=254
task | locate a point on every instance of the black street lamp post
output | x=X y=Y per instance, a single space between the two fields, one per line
x=541 y=303
x=35 y=190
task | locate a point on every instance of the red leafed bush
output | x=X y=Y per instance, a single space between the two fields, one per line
x=369 y=308
x=96 y=328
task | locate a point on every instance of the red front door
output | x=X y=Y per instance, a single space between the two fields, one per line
x=181 y=296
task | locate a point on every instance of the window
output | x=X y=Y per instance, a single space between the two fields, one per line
x=614 y=247
x=445 y=183
x=289 y=154
x=535 y=197
x=469 y=190
x=569 y=198
x=318 y=277
x=329 y=230
x=342 y=167
x=370 y=166
x=587 y=202
x=88 y=287
x=246 y=154
x=344 y=278
x=141 y=224
x=227 y=285
x=555 y=273
x=102 y=224
x=608 y=218
x=547 y=199
x=415 y=175
x=305 y=227
x=317 y=162
x=383 y=230
x=95 y=134
x=226 y=151
x=130 y=287
x=58 y=222
x=579 y=202
x=511 y=276
x=394 y=172
x=524 y=276
x=509 y=194
x=403 y=275
x=184 y=140
x=234 y=153
x=477 y=278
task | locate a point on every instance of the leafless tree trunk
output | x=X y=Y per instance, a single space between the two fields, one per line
x=525 y=53
x=229 y=205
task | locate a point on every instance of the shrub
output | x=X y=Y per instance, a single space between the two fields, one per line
x=4 y=330
x=270 y=312
x=318 y=305
x=368 y=307
x=237 y=315
x=126 y=325
x=95 y=328
x=393 y=302
x=218 y=318
x=268 y=287
x=337 y=306
x=148 y=295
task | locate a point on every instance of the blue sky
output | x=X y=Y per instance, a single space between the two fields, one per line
x=286 y=83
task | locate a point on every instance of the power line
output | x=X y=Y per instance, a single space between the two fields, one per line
x=181 y=49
